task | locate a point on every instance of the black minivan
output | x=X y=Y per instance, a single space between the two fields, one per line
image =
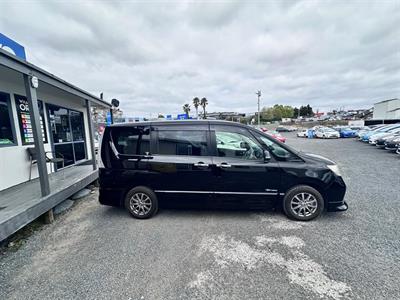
x=213 y=164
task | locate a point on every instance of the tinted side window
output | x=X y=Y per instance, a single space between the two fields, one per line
x=182 y=142
x=131 y=140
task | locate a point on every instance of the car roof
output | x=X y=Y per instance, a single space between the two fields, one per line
x=179 y=122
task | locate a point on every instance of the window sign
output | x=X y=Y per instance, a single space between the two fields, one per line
x=24 y=120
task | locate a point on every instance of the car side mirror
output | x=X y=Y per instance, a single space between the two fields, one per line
x=267 y=156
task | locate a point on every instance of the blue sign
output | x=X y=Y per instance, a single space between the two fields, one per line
x=182 y=117
x=11 y=46
x=169 y=117
x=108 y=119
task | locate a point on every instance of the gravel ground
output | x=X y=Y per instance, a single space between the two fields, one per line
x=98 y=252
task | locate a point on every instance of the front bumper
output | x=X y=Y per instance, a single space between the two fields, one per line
x=334 y=195
x=391 y=147
x=339 y=208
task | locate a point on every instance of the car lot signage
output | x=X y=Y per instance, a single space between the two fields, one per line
x=11 y=46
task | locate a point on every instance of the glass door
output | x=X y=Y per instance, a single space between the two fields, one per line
x=68 y=134
x=78 y=135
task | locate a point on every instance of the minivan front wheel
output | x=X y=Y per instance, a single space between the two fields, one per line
x=141 y=202
x=303 y=203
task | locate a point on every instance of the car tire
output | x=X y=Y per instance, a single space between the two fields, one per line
x=303 y=203
x=141 y=202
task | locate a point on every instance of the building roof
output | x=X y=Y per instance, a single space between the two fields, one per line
x=17 y=64
x=388 y=100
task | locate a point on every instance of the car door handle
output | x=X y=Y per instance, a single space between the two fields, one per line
x=224 y=165
x=201 y=164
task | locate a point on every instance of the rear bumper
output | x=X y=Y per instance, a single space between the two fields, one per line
x=111 y=196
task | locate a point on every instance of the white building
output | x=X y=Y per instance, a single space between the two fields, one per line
x=47 y=150
x=387 y=109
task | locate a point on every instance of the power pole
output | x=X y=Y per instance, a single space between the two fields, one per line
x=258 y=97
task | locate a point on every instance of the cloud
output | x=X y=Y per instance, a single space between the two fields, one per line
x=156 y=56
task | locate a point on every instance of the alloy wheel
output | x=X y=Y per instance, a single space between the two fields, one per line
x=140 y=204
x=304 y=204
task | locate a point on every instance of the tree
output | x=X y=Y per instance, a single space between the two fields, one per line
x=296 y=112
x=277 y=112
x=203 y=103
x=310 y=112
x=186 y=109
x=196 y=103
x=305 y=111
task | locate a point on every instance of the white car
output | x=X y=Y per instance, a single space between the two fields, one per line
x=375 y=137
x=303 y=133
x=327 y=133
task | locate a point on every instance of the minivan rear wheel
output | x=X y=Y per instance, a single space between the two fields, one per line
x=303 y=203
x=141 y=202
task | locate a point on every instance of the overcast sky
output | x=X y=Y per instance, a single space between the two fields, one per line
x=156 y=56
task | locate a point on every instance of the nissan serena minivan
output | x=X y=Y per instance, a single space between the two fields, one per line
x=213 y=164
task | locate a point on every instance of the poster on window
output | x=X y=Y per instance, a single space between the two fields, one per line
x=24 y=120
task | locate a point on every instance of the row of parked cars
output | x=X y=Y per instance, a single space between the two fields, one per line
x=324 y=132
x=382 y=136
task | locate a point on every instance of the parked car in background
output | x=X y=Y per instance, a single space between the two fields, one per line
x=361 y=131
x=392 y=130
x=327 y=133
x=381 y=142
x=282 y=129
x=276 y=135
x=393 y=144
x=365 y=136
x=346 y=132
x=210 y=164
x=302 y=133
x=285 y=129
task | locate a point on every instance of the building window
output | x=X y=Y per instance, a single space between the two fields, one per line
x=7 y=135
x=182 y=142
x=68 y=133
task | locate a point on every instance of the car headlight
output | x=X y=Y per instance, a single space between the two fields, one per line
x=335 y=169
